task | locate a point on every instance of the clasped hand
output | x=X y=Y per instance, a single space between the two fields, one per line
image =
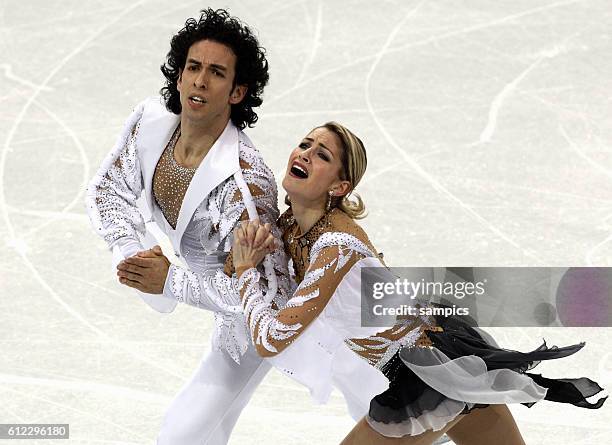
x=145 y=271
x=252 y=242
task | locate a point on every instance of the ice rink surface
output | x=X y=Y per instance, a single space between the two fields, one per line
x=488 y=126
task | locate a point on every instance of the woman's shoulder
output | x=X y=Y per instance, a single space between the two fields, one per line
x=342 y=223
x=346 y=231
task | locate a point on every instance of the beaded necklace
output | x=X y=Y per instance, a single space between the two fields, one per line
x=298 y=244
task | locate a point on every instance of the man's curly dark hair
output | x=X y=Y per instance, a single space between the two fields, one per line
x=251 y=64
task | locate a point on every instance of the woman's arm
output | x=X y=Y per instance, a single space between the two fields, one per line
x=273 y=330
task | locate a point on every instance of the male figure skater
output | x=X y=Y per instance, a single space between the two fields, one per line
x=199 y=174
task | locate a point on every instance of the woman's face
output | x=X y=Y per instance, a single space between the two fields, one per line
x=314 y=169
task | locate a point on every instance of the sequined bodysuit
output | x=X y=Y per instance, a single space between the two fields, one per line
x=171 y=181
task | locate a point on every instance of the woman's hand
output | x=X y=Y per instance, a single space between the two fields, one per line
x=252 y=241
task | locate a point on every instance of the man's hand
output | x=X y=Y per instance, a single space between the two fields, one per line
x=146 y=271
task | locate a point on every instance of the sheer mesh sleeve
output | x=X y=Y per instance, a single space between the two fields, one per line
x=273 y=330
x=262 y=187
x=265 y=198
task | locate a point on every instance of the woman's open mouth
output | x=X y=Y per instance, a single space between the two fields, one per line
x=298 y=171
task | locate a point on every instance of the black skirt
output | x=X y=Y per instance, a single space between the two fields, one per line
x=461 y=371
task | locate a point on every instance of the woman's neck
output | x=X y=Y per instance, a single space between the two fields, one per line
x=306 y=216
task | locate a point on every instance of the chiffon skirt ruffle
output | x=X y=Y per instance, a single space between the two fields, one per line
x=430 y=386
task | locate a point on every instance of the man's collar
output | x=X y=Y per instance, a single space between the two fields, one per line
x=221 y=162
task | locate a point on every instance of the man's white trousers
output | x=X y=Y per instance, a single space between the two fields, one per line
x=207 y=408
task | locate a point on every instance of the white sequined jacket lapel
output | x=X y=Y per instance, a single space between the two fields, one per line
x=221 y=162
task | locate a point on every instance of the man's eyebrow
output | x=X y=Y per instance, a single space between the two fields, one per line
x=212 y=65
x=322 y=145
x=219 y=67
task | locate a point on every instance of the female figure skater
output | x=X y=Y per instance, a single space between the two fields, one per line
x=444 y=377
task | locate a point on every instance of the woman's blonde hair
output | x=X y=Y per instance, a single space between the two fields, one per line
x=354 y=162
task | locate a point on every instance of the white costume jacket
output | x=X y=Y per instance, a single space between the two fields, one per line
x=231 y=183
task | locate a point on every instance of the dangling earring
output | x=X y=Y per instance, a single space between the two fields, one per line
x=329 y=200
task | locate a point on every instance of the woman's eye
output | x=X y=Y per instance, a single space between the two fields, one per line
x=324 y=157
x=191 y=68
x=303 y=145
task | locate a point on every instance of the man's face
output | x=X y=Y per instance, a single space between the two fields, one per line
x=205 y=83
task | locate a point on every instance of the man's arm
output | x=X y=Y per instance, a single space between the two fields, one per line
x=112 y=193
x=263 y=191
x=213 y=289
